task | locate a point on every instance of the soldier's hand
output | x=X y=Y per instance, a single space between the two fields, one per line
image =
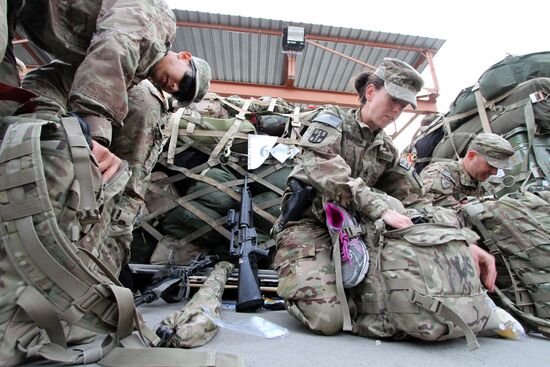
x=108 y=162
x=396 y=219
x=485 y=264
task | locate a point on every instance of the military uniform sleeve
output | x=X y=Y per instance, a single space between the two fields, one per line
x=330 y=174
x=129 y=39
x=438 y=186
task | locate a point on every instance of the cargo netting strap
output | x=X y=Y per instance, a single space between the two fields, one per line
x=480 y=102
x=173 y=128
x=227 y=140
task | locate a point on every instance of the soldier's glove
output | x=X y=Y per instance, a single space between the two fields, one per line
x=85 y=129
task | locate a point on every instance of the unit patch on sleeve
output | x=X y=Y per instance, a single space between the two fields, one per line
x=317 y=136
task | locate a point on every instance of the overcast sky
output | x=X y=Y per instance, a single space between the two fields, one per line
x=478 y=33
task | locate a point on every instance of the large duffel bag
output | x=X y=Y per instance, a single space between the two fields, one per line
x=501 y=78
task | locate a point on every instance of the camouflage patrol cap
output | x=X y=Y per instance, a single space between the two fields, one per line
x=496 y=150
x=401 y=80
x=193 y=88
x=204 y=75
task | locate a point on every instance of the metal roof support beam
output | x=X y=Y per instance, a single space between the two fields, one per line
x=407 y=124
x=429 y=56
x=26 y=45
x=341 y=54
x=289 y=70
x=298 y=95
x=313 y=37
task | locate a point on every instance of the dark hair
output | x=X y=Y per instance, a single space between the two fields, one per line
x=364 y=79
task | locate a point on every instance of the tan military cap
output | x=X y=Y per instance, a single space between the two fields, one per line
x=497 y=150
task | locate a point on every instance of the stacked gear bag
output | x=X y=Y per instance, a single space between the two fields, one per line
x=512 y=100
x=206 y=161
x=58 y=262
x=516 y=230
x=422 y=282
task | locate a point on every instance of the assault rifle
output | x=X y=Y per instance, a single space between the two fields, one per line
x=169 y=282
x=244 y=243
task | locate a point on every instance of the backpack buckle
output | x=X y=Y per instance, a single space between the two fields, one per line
x=88 y=216
x=428 y=303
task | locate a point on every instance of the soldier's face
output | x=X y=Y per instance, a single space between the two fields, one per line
x=381 y=108
x=481 y=170
x=168 y=72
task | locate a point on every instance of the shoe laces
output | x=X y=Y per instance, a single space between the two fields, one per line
x=344 y=249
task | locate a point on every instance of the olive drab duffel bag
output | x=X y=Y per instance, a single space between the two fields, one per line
x=57 y=261
x=422 y=282
x=501 y=78
x=516 y=230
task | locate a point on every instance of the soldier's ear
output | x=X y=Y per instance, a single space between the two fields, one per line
x=369 y=92
x=471 y=155
x=184 y=55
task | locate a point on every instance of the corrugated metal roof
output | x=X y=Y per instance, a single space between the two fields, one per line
x=251 y=51
x=254 y=57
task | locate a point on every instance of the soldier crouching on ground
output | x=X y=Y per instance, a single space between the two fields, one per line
x=346 y=155
x=451 y=183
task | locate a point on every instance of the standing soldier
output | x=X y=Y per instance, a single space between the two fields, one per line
x=106 y=48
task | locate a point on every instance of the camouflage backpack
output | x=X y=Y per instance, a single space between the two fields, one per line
x=57 y=258
x=516 y=230
x=422 y=282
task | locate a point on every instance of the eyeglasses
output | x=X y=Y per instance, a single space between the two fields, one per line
x=187 y=86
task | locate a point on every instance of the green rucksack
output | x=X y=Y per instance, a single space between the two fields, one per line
x=501 y=78
x=422 y=282
x=516 y=230
x=523 y=118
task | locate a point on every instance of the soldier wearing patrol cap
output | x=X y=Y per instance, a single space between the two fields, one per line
x=346 y=156
x=450 y=184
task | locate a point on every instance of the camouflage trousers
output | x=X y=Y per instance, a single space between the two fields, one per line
x=139 y=142
x=307 y=278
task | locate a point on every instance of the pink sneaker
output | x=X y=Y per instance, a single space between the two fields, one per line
x=355 y=257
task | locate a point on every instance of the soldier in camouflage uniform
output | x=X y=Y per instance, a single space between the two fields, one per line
x=450 y=183
x=346 y=156
x=83 y=85
x=106 y=48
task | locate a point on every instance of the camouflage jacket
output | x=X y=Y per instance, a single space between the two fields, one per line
x=114 y=42
x=447 y=184
x=345 y=161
